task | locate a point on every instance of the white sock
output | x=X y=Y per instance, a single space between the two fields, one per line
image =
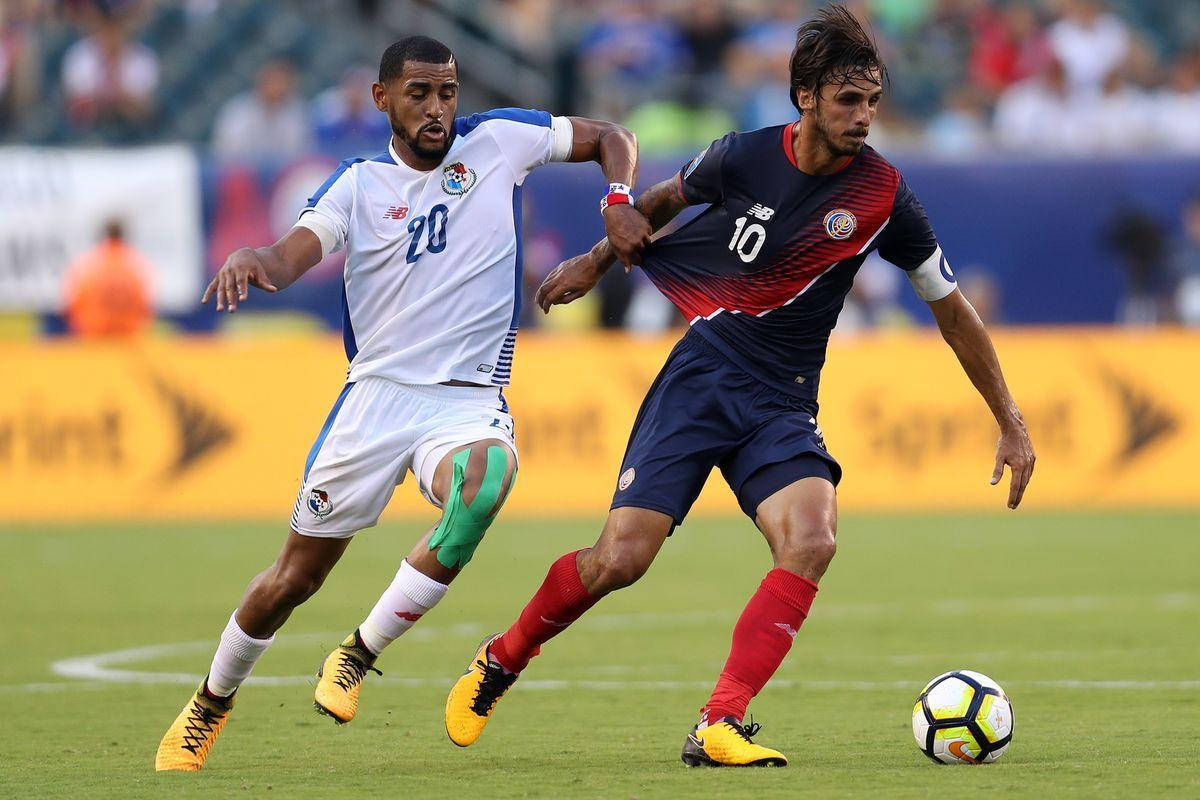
x=409 y=597
x=236 y=655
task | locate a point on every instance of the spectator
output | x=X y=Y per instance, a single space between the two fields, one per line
x=960 y=128
x=346 y=120
x=20 y=57
x=108 y=79
x=708 y=32
x=1009 y=47
x=1119 y=120
x=1038 y=115
x=759 y=66
x=1138 y=239
x=1090 y=43
x=1179 y=102
x=628 y=55
x=1185 y=264
x=107 y=290
x=269 y=122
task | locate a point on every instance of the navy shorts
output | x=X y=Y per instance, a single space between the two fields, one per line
x=703 y=411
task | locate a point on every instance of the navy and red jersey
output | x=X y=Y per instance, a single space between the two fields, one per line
x=762 y=273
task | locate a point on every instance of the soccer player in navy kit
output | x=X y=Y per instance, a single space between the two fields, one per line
x=761 y=276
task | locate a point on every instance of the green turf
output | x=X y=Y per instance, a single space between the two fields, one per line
x=1049 y=605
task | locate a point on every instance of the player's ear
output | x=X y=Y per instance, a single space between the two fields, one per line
x=379 y=95
x=806 y=99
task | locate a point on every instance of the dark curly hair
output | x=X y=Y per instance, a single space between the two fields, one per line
x=833 y=48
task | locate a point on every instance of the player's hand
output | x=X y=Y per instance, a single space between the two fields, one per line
x=628 y=232
x=1015 y=450
x=243 y=269
x=570 y=280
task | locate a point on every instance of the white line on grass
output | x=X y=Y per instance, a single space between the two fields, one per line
x=104 y=669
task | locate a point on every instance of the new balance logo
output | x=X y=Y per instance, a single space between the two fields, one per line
x=788 y=629
x=759 y=211
x=396 y=212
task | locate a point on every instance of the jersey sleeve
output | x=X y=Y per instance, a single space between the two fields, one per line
x=527 y=138
x=701 y=179
x=327 y=212
x=909 y=243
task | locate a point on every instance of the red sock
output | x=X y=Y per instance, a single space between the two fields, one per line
x=559 y=601
x=762 y=637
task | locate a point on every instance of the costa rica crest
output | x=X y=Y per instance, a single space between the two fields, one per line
x=457 y=178
x=840 y=224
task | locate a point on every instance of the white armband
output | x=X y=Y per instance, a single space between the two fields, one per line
x=327 y=235
x=562 y=138
x=933 y=280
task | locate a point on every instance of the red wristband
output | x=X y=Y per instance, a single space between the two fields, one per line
x=617 y=193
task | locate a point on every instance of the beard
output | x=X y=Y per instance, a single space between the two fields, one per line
x=414 y=141
x=843 y=144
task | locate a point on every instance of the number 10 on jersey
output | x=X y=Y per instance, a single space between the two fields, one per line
x=747 y=239
x=435 y=227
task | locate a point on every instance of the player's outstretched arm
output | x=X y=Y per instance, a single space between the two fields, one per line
x=268 y=268
x=964 y=332
x=575 y=277
x=615 y=149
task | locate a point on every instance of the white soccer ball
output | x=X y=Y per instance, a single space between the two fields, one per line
x=963 y=717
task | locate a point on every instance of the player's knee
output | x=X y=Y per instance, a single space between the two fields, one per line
x=615 y=563
x=288 y=586
x=804 y=540
x=482 y=473
x=612 y=570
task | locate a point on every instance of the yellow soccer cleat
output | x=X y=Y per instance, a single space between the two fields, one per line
x=474 y=696
x=340 y=679
x=187 y=742
x=727 y=744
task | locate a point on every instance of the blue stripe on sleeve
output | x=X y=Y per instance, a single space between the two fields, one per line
x=337 y=173
x=464 y=125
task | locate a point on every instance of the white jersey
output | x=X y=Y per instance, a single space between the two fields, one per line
x=432 y=285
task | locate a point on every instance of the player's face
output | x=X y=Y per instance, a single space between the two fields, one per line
x=844 y=113
x=420 y=107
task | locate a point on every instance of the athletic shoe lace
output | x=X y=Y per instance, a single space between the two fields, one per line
x=351 y=670
x=495 y=682
x=200 y=723
x=748 y=730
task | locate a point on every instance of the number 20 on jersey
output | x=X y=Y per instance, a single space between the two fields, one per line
x=433 y=227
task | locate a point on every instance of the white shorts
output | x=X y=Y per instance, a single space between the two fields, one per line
x=378 y=430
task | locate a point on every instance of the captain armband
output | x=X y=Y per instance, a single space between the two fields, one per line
x=933 y=279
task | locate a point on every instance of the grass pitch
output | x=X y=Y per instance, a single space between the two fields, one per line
x=1088 y=621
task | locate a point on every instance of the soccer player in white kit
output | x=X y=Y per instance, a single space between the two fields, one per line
x=431 y=297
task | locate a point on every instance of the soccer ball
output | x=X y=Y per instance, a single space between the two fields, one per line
x=963 y=717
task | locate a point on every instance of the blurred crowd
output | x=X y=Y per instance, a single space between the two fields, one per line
x=1053 y=78
x=1028 y=76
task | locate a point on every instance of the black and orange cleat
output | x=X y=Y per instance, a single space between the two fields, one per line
x=340 y=679
x=191 y=736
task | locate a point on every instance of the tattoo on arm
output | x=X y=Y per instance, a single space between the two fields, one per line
x=660 y=204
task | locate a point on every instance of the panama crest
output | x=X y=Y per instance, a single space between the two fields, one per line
x=840 y=224
x=319 y=504
x=457 y=179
